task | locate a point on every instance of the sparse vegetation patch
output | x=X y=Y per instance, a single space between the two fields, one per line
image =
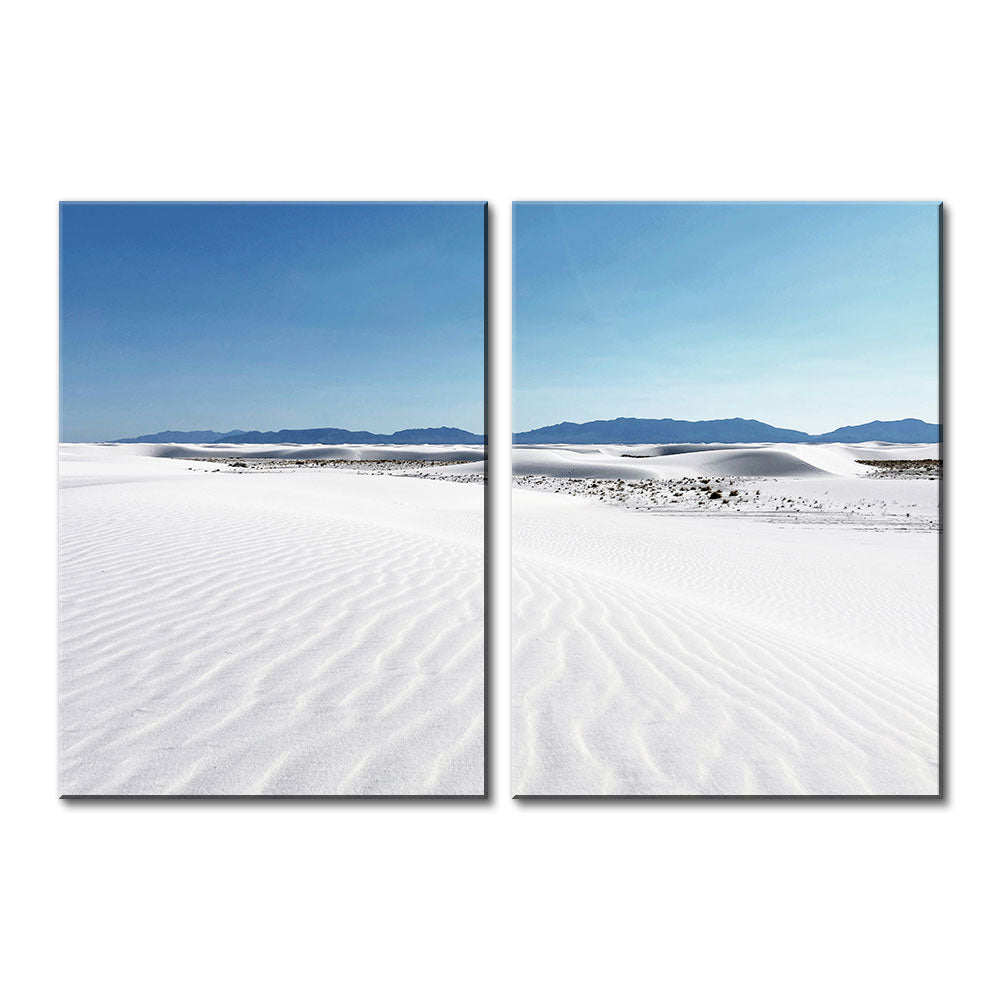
x=922 y=468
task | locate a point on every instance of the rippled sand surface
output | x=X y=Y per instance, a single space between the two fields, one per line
x=787 y=645
x=302 y=632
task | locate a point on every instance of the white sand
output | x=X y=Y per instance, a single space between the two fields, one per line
x=296 y=631
x=686 y=649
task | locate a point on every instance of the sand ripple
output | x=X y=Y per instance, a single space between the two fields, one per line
x=678 y=656
x=278 y=635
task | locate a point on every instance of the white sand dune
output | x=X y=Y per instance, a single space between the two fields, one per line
x=465 y=469
x=710 y=653
x=306 y=632
x=676 y=461
x=397 y=452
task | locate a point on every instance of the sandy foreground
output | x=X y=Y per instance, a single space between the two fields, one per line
x=289 y=631
x=783 y=643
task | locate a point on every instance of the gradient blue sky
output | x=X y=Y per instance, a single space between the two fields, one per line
x=193 y=316
x=809 y=315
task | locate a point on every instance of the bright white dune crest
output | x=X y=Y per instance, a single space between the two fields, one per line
x=671 y=461
x=785 y=643
x=368 y=452
x=295 y=631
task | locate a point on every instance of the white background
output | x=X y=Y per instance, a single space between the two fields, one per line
x=514 y=100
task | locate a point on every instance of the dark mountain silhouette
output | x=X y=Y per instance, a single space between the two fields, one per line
x=622 y=430
x=178 y=437
x=338 y=435
x=630 y=430
x=436 y=435
x=315 y=435
x=908 y=431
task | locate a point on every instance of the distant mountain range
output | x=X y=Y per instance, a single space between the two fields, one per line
x=909 y=431
x=178 y=437
x=315 y=435
x=622 y=430
x=631 y=430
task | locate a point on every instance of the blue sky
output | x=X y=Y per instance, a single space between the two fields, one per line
x=264 y=316
x=809 y=316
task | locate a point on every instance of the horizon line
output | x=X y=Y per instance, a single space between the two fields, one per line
x=705 y=420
